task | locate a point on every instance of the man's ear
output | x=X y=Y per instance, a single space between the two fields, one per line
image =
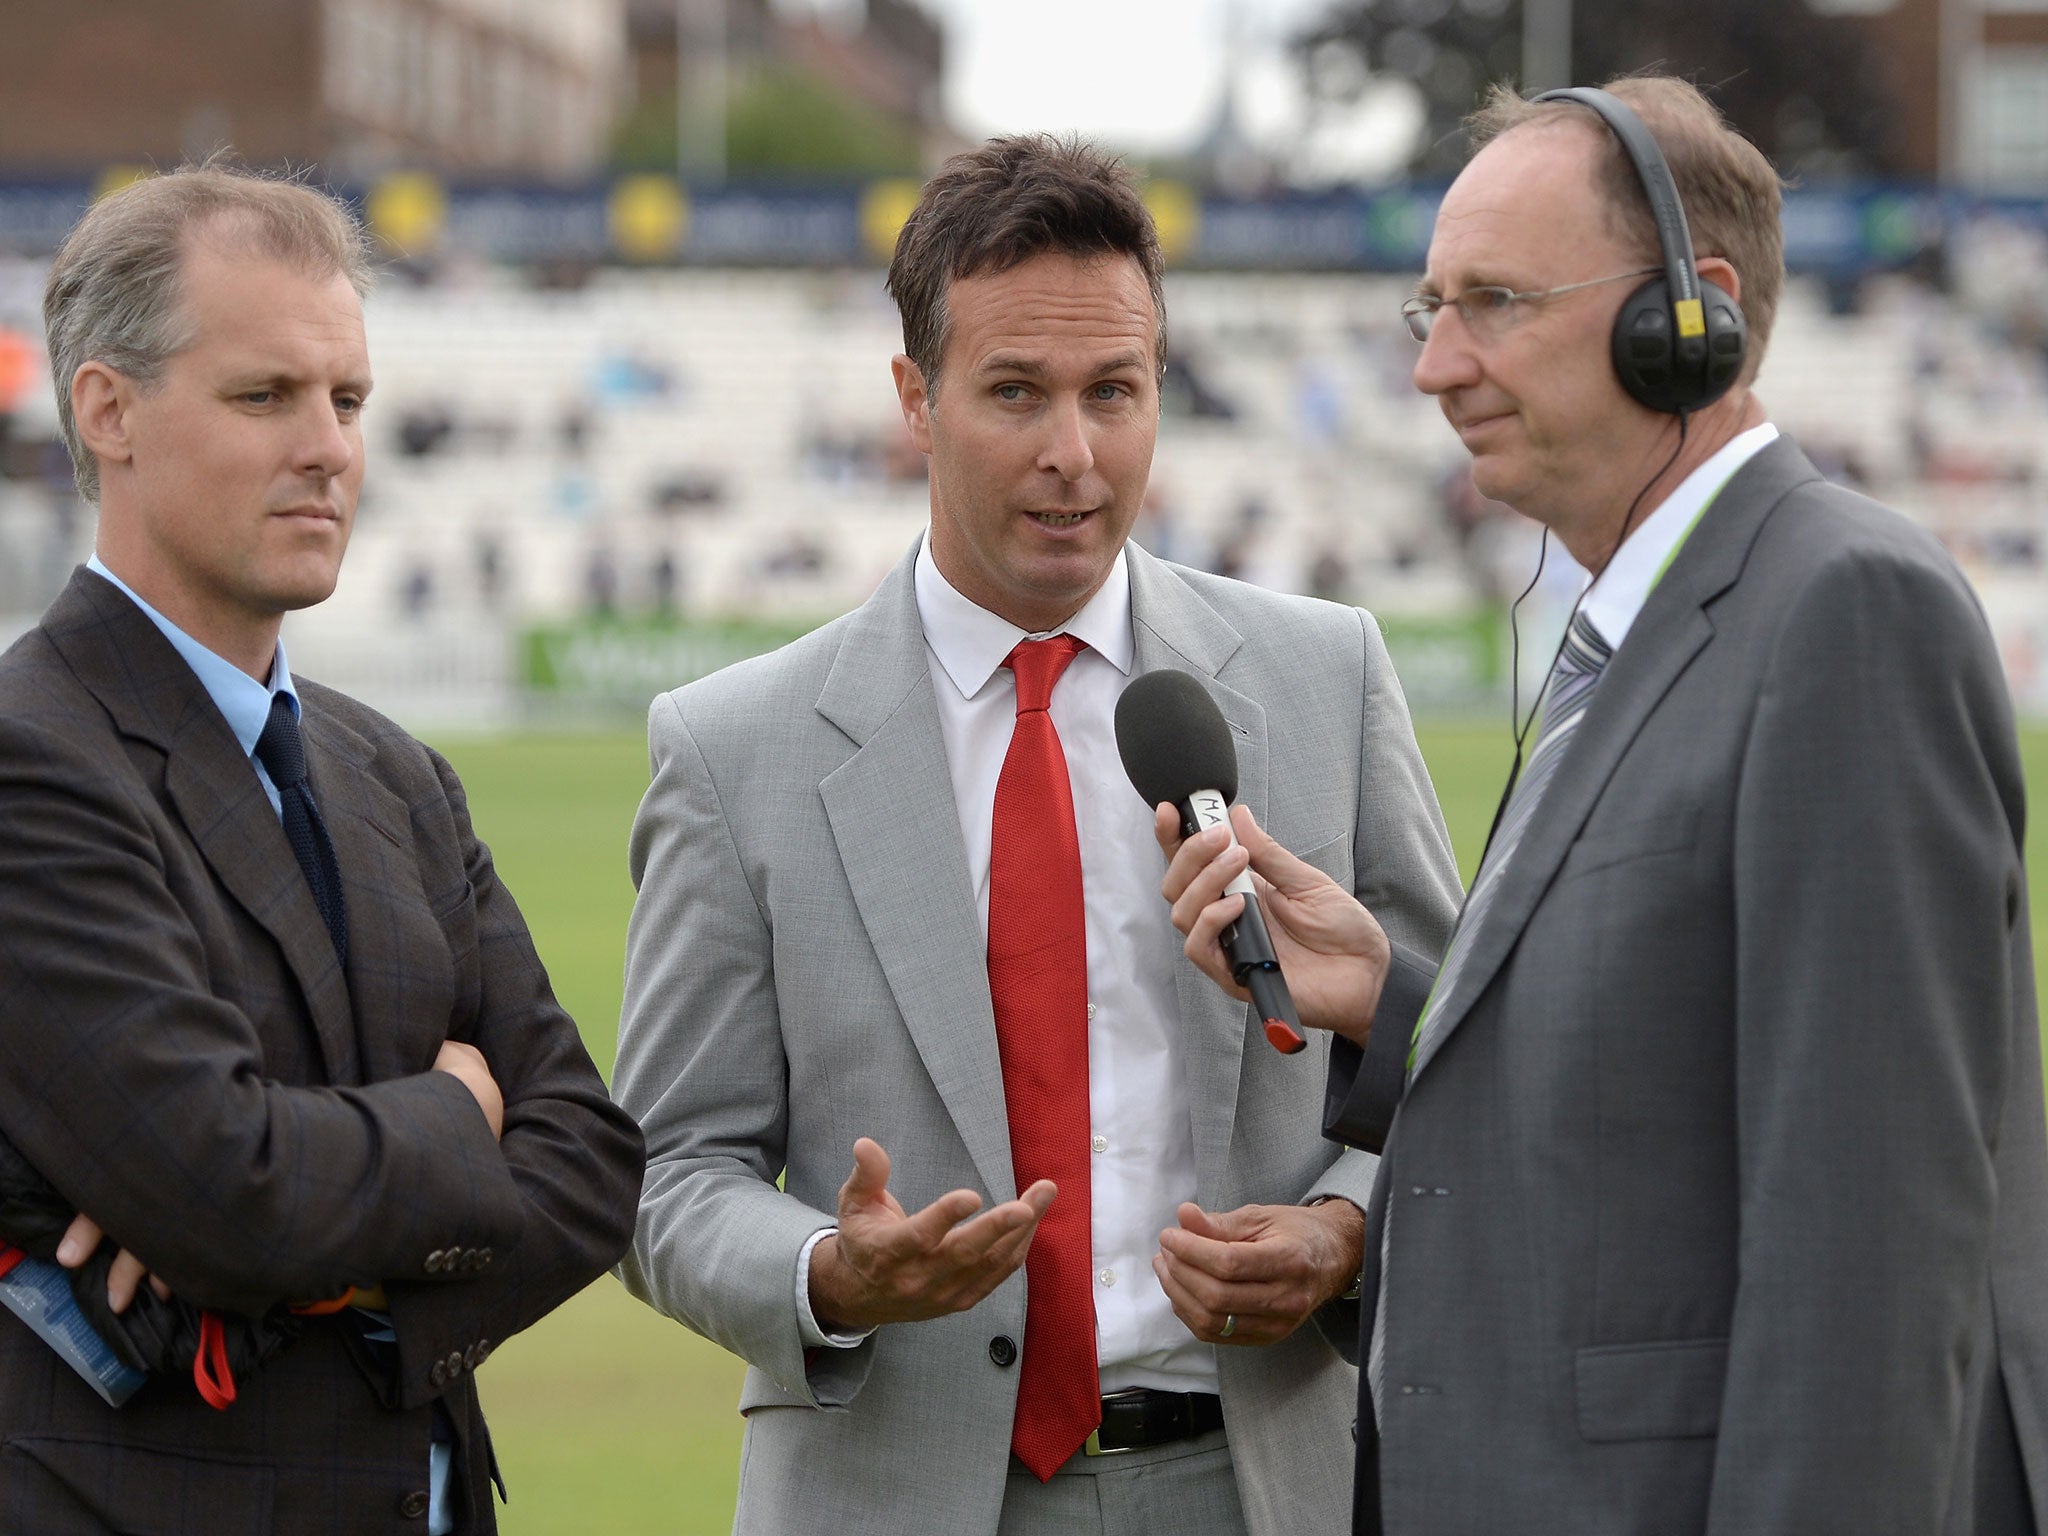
x=100 y=401
x=1716 y=270
x=915 y=399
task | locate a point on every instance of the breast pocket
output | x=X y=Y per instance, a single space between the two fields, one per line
x=1632 y=838
x=1332 y=856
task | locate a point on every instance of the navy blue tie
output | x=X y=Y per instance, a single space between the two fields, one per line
x=282 y=753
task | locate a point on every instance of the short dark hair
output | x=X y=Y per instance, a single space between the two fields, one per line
x=996 y=207
x=1731 y=194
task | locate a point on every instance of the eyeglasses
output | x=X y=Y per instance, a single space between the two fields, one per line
x=1488 y=311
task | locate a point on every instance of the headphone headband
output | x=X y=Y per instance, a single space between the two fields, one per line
x=1678 y=343
x=1674 y=234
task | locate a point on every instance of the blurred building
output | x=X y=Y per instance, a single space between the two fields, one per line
x=1971 y=82
x=464 y=87
x=889 y=55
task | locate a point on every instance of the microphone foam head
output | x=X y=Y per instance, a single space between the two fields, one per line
x=1173 y=739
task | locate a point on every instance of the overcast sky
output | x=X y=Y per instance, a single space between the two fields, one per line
x=1143 y=75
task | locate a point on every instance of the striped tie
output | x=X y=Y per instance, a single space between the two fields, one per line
x=1573 y=678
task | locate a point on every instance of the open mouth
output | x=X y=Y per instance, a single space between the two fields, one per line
x=1059 y=519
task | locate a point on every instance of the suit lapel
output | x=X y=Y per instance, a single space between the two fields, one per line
x=1672 y=629
x=1176 y=630
x=151 y=694
x=892 y=814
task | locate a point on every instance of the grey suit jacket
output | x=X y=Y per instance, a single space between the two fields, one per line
x=805 y=966
x=1723 y=1205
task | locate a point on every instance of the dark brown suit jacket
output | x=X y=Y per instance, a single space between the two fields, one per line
x=184 y=1059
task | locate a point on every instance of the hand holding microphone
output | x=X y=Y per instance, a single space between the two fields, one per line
x=1309 y=942
x=1176 y=748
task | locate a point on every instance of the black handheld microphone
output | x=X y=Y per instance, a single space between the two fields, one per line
x=1176 y=748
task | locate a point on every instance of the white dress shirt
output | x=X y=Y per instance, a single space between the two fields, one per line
x=1142 y=1125
x=1617 y=595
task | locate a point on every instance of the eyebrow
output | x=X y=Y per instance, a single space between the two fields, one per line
x=1032 y=368
x=284 y=379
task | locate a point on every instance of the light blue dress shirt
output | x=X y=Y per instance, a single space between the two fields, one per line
x=245 y=704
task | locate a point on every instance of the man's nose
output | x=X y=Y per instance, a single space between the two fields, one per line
x=1066 y=450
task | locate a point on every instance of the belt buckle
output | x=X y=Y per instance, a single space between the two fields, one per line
x=1093 y=1445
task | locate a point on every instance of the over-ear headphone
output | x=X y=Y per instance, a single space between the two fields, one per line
x=1678 y=343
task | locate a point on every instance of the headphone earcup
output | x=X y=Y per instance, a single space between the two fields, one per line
x=1727 y=341
x=1666 y=373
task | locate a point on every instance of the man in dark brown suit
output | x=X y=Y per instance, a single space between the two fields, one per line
x=267 y=1016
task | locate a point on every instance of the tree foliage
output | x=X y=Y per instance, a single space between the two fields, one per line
x=781 y=121
x=1808 y=89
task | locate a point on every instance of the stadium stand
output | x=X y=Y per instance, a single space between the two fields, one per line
x=715 y=444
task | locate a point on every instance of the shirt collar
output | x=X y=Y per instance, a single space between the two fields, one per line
x=972 y=643
x=242 y=701
x=1617 y=595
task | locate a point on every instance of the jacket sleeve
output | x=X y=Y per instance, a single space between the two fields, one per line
x=701 y=1065
x=1877 y=887
x=1407 y=876
x=573 y=1156
x=140 y=1092
x=1365 y=1086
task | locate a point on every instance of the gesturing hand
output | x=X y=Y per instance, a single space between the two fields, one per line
x=1331 y=950
x=1259 y=1270
x=883 y=1266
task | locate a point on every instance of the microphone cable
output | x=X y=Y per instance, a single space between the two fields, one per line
x=1519 y=725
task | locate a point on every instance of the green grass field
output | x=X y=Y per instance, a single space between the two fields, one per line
x=607 y=1417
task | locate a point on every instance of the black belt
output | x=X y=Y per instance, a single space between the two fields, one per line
x=1141 y=1418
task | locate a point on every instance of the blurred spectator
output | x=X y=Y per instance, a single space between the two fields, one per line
x=664 y=583
x=416 y=591
x=488 y=557
x=601 y=582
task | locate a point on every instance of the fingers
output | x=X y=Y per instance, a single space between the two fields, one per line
x=1166 y=829
x=79 y=1241
x=1288 y=875
x=870 y=1176
x=123 y=1276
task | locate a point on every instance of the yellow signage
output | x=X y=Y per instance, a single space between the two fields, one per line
x=1177 y=214
x=884 y=209
x=115 y=177
x=408 y=211
x=1692 y=320
x=649 y=217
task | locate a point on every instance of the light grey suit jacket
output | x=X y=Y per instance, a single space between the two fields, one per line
x=1722 y=1206
x=805 y=966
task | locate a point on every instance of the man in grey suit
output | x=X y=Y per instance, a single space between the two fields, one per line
x=897 y=913
x=1716 y=1200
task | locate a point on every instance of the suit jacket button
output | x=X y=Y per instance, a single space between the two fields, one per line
x=469 y=1259
x=453 y=1363
x=434 y=1261
x=1003 y=1350
x=483 y=1350
x=438 y=1376
x=472 y=1356
x=414 y=1505
x=484 y=1257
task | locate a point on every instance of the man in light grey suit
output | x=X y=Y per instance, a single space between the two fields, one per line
x=1717 y=1198
x=832 y=870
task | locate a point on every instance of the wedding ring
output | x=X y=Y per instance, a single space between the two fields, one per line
x=1229 y=1325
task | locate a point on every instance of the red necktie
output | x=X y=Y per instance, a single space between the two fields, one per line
x=1038 y=981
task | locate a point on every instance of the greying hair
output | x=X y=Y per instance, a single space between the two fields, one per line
x=115 y=295
x=993 y=208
